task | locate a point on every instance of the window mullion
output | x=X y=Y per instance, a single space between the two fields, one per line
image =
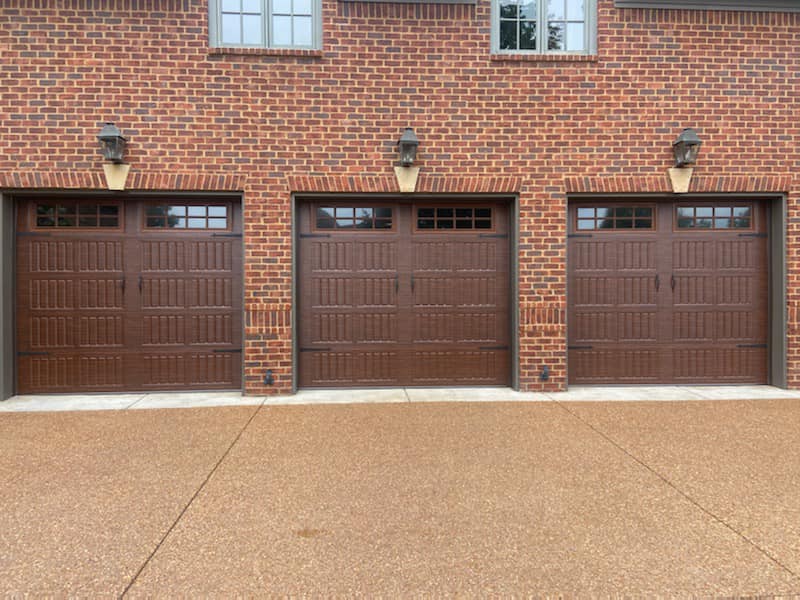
x=215 y=22
x=541 y=26
x=316 y=12
x=266 y=11
x=496 y=28
x=585 y=28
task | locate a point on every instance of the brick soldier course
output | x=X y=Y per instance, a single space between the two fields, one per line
x=272 y=123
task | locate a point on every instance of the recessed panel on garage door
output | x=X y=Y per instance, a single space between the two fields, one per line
x=128 y=295
x=459 y=317
x=667 y=293
x=394 y=294
x=350 y=283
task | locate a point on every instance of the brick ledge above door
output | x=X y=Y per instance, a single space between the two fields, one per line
x=431 y=184
x=661 y=184
x=138 y=181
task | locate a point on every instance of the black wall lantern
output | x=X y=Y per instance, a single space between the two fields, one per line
x=112 y=143
x=686 y=148
x=407 y=146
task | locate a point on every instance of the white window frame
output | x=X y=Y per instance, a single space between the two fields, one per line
x=589 y=31
x=215 y=27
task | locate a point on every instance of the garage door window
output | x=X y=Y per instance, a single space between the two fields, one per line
x=615 y=217
x=714 y=217
x=433 y=217
x=354 y=217
x=73 y=215
x=186 y=216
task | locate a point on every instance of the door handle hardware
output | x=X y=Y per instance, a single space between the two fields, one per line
x=140 y=284
x=412 y=282
x=579 y=347
x=229 y=235
x=228 y=351
x=574 y=235
x=315 y=235
x=493 y=235
x=396 y=283
x=755 y=235
x=658 y=283
x=315 y=349
x=751 y=345
x=122 y=281
x=33 y=354
x=492 y=347
x=672 y=282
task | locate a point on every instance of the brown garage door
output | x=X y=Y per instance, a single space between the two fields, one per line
x=128 y=295
x=667 y=293
x=394 y=294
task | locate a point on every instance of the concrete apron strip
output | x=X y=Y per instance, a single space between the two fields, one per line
x=575 y=394
x=77 y=402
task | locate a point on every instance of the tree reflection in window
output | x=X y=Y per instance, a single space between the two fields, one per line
x=186 y=216
x=520 y=20
x=714 y=217
x=77 y=214
x=615 y=217
x=354 y=217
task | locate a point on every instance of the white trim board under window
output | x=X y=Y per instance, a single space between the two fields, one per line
x=265 y=23
x=570 y=26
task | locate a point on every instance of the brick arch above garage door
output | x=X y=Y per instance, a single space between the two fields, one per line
x=128 y=295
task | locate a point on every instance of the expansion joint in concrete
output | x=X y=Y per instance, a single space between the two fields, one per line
x=684 y=494
x=190 y=502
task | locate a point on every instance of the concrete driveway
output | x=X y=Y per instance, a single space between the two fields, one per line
x=545 y=498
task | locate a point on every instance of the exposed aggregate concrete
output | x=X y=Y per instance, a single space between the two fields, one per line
x=398 y=500
x=573 y=499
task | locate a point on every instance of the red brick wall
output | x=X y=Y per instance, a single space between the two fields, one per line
x=259 y=122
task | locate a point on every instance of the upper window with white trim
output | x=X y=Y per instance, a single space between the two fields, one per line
x=265 y=23
x=544 y=26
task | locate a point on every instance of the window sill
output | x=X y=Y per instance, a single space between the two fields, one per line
x=546 y=58
x=304 y=52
